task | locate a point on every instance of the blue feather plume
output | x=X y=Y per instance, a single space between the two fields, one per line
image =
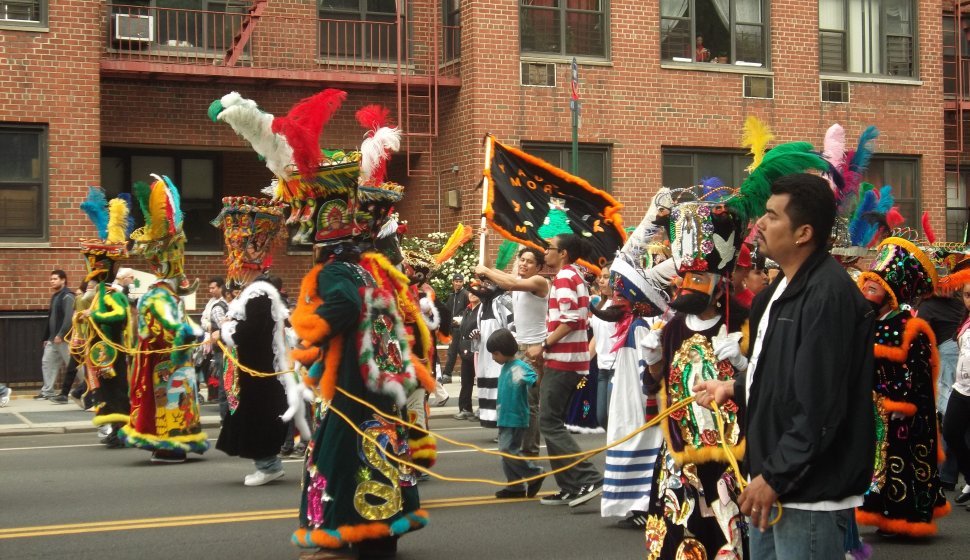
x=863 y=152
x=96 y=207
x=131 y=215
x=176 y=201
x=886 y=201
x=858 y=226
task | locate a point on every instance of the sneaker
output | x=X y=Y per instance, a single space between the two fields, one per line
x=964 y=496
x=561 y=499
x=104 y=432
x=40 y=397
x=58 y=399
x=636 y=520
x=442 y=403
x=6 y=397
x=113 y=442
x=586 y=493
x=77 y=400
x=170 y=457
x=506 y=493
x=260 y=478
x=464 y=415
x=445 y=379
x=532 y=489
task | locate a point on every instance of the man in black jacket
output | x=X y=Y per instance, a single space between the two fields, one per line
x=456 y=303
x=807 y=393
x=56 y=351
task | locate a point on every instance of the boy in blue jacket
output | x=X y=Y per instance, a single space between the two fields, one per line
x=513 y=414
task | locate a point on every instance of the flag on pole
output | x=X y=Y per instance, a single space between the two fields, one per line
x=529 y=201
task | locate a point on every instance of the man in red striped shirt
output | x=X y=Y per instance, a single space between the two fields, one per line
x=566 y=354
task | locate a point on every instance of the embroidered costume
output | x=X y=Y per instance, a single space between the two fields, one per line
x=105 y=361
x=905 y=495
x=164 y=393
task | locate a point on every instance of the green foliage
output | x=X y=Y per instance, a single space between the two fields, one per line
x=463 y=262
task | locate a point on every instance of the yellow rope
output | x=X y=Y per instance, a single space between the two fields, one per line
x=583 y=454
x=245 y=369
x=134 y=350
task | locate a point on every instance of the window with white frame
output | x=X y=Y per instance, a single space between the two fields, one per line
x=23 y=182
x=23 y=12
x=714 y=31
x=868 y=37
x=564 y=27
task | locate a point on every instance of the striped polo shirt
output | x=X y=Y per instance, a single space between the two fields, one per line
x=569 y=303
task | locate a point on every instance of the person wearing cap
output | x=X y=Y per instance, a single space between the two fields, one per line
x=905 y=495
x=739 y=278
x=456 y=304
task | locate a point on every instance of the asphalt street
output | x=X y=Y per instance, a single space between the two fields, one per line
x=65 y=496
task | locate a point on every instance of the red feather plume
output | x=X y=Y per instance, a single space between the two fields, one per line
x=373 y=117
x=927 y=230
x=304 y=123
x=894 y=218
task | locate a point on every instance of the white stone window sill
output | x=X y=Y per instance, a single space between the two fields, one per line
x=871 y=79
x=715 y=67
x=566 y=60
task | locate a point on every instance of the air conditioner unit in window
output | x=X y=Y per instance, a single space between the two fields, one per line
x=538 y=74
x=140 y=29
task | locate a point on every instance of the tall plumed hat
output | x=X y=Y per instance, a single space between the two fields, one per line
x=628 y=276
x=251 y=227
x=903 y=270
x=112 y=221
x=376 y=196
x=161 y=240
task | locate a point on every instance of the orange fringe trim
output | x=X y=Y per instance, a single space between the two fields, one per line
x=909 y=409
x=611 y=213
x=954 y=281
x=354 y=533
x=308 y=325
x=305 y=355
x=895 y=525
x=424 y=376
x=942 y=511
x=869 y=275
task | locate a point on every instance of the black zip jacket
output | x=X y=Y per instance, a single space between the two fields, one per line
x=809 y=424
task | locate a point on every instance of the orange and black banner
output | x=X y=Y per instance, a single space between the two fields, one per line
x=530 y=201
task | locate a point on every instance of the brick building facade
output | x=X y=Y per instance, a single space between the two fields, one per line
x=102 y=102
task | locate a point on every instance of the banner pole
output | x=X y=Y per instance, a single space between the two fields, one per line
x=485 y=187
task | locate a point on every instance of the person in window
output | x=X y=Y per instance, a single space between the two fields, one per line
x=701 y=53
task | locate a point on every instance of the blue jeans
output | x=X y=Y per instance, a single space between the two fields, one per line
x=604 y=388
x=270 y=464
x=802 y=535
x=510 y=441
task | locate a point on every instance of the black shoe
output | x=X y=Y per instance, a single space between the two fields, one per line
x=561 y=499
x=445 y=379
x=586 y=493
x=636 y=520
x=962 y=498
x=532 y=489
x=113 y=442
x=40 y=397
x=505 y=493
x=59 y=399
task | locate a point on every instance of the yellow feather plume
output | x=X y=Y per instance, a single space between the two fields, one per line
x=460 y=236
x=157 y=205
x=117 y=221
x=756 y=136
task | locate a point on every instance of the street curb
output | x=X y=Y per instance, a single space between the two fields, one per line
x=79 y=429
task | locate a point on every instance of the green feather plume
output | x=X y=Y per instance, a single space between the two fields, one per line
x=142 y=192
x=506 y=252
x=785 y=159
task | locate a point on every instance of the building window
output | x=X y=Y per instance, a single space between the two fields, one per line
x=563 y=27
x=452 y=29
x=957 y=209
x=714 y=31
x=361 y=29
x=594 y=160
x=30 y=12
x=903 y=174
x=196 y=174
x=683 y=168
x=199 y=25
x=23 y=182
x=867 y=37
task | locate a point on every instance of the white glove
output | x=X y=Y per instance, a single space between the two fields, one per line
x=296 y=409
x=728 y=347
x=653 y=352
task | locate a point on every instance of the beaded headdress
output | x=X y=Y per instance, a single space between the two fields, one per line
x=112 y=222
x=250 y=228
x=903 y=270
x=161 y=240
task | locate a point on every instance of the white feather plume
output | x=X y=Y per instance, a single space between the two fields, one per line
x=376 y=149
x=244 y=116
x=834 y=145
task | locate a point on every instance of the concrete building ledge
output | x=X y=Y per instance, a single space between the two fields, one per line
x=871 y=79
x=712 y=67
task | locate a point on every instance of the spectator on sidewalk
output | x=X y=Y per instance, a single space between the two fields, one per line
x=456 y=303
x=210 y=367
x=5 y=393
x=56 y=351
x=467 y=337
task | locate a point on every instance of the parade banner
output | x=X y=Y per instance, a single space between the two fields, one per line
x=529 y=201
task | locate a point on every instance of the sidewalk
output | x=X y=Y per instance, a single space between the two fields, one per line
x=25 y=416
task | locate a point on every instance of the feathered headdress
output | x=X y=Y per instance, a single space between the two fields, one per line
x=784 y=159
x=376 y=149
x=756 y=136
x=459 y=237
x=110 y=220
x=161 y=240
x=251 y=228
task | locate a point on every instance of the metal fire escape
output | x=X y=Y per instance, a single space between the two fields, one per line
x=417 y=99
x=956 y=89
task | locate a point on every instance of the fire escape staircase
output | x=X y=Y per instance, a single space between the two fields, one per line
x=418 y=99
x=236 y=49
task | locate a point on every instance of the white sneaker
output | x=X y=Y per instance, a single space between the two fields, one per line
x=103 y=432
x=260 y=478
x=6 y=397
